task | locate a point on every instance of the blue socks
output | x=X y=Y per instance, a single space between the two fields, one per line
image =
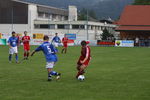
x=10 y=56
x=17 y=58
x=53 y=73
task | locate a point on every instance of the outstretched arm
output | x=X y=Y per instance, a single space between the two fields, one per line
x=33 y=52
x=36 y=50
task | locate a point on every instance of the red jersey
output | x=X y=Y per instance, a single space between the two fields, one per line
x=26 y=39
x=86 y=52
x=65 y=40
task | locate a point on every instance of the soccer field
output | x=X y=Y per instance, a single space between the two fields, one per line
x=114 y=74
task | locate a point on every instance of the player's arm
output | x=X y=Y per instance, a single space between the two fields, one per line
x=9 y=43
x=29 y=39
x=17 y=42
x=36 y=50
x=63 y=40
x=22 y=40
x=33 y=52
x=87 y=55
x=53 y=40
x=59 y=40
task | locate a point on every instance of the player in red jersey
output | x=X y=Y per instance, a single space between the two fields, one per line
x=19 y=40
x=84 y=59
x=65 y=44
x=26 y=40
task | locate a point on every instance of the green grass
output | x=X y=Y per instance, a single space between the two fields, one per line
x=114 y=74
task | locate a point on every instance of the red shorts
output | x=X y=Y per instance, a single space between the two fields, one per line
x=65 y=45
x=86 y=63
x=26 y=47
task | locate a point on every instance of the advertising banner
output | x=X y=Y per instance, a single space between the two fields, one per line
x=3 y=42
x=0 y=35
x=38 y=35
x=124 y=43
x=71 y=36
x=37 y=39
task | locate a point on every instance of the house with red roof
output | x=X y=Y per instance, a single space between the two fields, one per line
x=134 y=22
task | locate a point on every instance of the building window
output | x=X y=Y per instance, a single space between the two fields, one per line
x=67 y=26
x=78 y=26
x=36 y=26
x=89 y=27
x=52 y=26
x=92 y=27
x=66 y=18
x=61 y=26
x=47 y=15
x=53 y=17
x=41 y=14
x=82 y=27
x=44 y=26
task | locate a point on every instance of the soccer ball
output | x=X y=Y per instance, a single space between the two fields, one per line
x=81 y=77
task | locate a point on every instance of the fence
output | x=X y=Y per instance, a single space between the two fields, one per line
x=143 y=43
x=110 y=43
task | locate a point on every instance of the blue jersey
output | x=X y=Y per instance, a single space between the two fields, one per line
x=56 y=39
x=49 y=51
x=13 y=41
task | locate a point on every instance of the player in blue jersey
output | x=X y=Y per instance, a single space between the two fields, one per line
x=51 y=58
x=56 y=40
x=13 y=43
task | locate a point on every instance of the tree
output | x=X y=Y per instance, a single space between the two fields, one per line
x=84 y=12
x=106 y=34
x=141 y=2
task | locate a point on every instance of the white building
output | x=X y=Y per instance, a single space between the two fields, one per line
x=19 y=16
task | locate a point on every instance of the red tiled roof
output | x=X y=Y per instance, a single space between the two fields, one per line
x=135 y=15
x=135 y=28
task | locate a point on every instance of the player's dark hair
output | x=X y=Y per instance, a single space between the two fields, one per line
x=83 y=43
x=45 y=37
x=13 y=32
x=25 y=31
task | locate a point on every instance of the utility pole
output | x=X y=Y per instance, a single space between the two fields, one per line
x=87 y=25
x=12 y=18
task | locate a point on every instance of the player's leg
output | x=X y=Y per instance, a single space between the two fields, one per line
x=80 y=69
x=49 y=76
x=28 y=53
x=65 y=49
x=10 y=54
x=51 y=73
x=25 y=54
x=62 y=51
x=16 y=56
x=10 y=57
x=16 y=53
x=25 y=51
x=56 y=46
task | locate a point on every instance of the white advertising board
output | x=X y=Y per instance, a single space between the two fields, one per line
x=124 y=43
